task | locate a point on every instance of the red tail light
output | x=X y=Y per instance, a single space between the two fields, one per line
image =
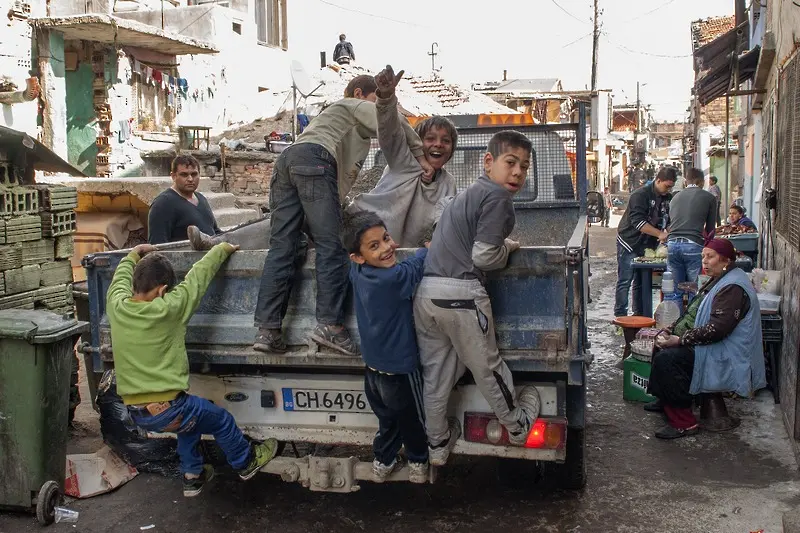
x=548 y=433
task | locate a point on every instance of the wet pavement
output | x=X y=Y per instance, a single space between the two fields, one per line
x=734 y=482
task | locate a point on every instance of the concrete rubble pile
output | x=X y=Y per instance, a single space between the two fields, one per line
x=36 y=245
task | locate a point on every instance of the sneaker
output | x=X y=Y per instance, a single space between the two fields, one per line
x=269 y=340
x=529 y=403
x=338 y=340
x=654 y=407
x=193 y=487
x=418 y=472
x=381 y=471
x=261 y=454
x=669 y=433
x=438 y=455
x=199 y=240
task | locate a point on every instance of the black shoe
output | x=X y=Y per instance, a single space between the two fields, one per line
x=654 y=407
x=193 y=487
x=269 y=340
x=669 y=433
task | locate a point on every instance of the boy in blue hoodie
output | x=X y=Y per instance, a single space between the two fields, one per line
x=384 y=291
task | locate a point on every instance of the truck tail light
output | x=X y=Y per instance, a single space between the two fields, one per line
x=547 y=433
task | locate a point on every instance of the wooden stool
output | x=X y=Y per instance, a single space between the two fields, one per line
x=714 y=415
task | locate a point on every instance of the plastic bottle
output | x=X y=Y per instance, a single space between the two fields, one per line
x=668 y=311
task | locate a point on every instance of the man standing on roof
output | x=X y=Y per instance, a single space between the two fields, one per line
x=343 y=53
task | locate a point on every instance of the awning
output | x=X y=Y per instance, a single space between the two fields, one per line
x=123 y=32
x=716 y=82
x=30 y=154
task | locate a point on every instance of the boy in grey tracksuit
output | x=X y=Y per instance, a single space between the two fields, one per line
x=452 y=311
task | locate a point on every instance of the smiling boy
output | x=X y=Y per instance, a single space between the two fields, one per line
x=452 y=311
x=383 y=290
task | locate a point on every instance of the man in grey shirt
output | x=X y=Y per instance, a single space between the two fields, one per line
x=692 y=217
x=714 y=189
x=452 y=311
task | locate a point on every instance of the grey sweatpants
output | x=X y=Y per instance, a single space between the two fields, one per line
x=455 y=330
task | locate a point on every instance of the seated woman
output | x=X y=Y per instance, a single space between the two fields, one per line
x=715 y=347
x=738 y=218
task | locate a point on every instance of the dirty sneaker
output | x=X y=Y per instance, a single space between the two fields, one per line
x=193 y=487
x=439 y=453
x=528 y=401
x=381 y=471
x=269 y=340
x=418 y=472
x=260 y=455
x=337 y=338
x=199 y=240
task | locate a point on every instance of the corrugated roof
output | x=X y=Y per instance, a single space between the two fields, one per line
x=706 y=30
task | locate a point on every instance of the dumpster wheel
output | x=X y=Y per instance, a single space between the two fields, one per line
x=46 y=501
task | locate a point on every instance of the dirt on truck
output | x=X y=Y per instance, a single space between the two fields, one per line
x=310 y=395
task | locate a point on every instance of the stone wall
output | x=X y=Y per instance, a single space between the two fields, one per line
x=247 y=173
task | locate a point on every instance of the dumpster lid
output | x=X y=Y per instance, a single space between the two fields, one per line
x=35 y=326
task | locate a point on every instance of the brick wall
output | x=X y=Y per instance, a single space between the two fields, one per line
x=247 y=173
x=714 y=113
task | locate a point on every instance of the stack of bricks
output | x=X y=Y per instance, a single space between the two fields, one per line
x=102 y=110
x=247 y=173
x=36 y=246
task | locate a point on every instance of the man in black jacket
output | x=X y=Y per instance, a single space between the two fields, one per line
x=344 y=53
x=642 y=226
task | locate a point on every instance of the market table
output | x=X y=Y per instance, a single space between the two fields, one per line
x=644 y=273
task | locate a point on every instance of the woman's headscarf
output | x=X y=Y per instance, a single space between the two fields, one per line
x=723 y=247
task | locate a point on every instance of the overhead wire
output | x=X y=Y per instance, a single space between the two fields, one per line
x=559 y=6
x=632 y=51
x=373 y=15
x=662 y=6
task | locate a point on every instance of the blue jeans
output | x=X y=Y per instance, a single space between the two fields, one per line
x=626 y=278
x=191 y=417
x=685 y=260
x=304 y=185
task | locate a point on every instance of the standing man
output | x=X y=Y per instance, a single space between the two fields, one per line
x=692 y=217
x=642 y=226
x=343 y=53
x=180 y=206
x=713 y=188
x=609 y=205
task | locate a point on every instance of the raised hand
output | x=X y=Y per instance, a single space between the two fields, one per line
x=387 y=81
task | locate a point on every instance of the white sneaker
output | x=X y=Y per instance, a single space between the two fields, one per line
x=438 y=456
x=381 y=471
x=530 y=404
x=418 y=472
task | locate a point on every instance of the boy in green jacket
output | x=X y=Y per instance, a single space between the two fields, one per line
x=148 y=314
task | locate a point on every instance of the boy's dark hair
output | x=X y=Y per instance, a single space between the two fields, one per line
x=153 y=270
x=423 y=127
x=354 y=225
x=342 y=36
x=714 y=180
x=185 y=160
x=695 y=176
x=667 y=174
x=364 y=82
x=502 y=141
x=739 y=209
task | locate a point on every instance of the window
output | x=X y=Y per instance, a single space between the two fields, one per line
x=787 y=167
x=271 y=23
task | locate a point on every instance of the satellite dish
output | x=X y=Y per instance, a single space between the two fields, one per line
x=300 y=79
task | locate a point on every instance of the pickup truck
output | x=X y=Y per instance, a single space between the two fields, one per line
x=309 y=395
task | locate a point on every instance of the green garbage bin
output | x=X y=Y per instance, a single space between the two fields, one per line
x=36 y=352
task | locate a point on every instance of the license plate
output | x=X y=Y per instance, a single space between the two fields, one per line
x=325 y=400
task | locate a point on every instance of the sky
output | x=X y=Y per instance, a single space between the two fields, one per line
x=529 y=38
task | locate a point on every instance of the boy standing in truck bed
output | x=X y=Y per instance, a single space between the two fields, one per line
x=148 y=314
x=452 y=311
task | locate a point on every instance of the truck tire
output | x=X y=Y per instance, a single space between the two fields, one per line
x=571 y=475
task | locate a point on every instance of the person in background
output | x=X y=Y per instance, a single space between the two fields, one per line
x=383 y=291
x=180 y=206
x=691 y=215
x=148 y=312
x=642 y=226
x=343 y=53
x=609 y=206
x=738 y=218
x=715 y=347
x=714 y=189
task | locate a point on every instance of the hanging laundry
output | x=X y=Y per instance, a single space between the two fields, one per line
x=157 y=77
x=137 y=67
x=148 y=74
x=124 y=130
x=172 y=83
x=183 y=85
x=171 y=100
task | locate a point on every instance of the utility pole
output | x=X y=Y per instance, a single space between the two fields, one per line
x=595 y=43
x=433 y=53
